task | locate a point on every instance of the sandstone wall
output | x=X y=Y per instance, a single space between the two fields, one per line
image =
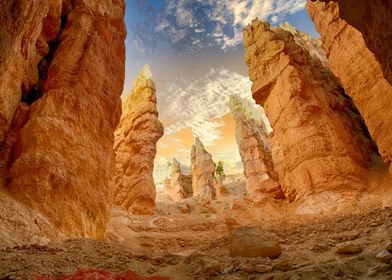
x=135 y=147
x=66 y=59
x=357 y=67
x=317 y=143
x=253 y=144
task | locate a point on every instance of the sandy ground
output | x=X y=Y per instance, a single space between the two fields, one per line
x=190 y=239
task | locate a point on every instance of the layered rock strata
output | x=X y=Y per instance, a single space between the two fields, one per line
x=180 y=185
x=204 y=182
x=357 y=67
x=135 y=147
x=66 y=59
x=317 y=143
x=253 y=144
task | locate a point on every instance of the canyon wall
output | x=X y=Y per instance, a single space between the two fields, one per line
x=317 y=143
x=356 y=66
x=179 y=186
x=135 y=147
x=66 y=60
x=204 y=182
x=253 y=144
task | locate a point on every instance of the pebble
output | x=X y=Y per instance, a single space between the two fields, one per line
x=389 y=247
x=262 y=268
x=283 y=266
x=384 y=256
x=348 y=248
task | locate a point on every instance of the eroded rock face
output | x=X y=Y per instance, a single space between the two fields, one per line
x=135 y=147
x=356 y=66
x=253 y=144
x=66 y=58
x=204 y=182
x=180 y=185
x=317 y=143
x=373 y=20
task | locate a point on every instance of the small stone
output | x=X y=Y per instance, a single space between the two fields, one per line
x=348 y=248
x=384 y=256
x=211 y=269
x=262 y=268
x=379 y=268
x=283 y=266
x=247 y=267
x=389 y=247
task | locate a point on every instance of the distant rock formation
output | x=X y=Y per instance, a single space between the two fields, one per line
x=253 y=144
x=135 y=147
x=65 y=59
x=317 y=142
x=179 y=186
x=357 y=67
x=204 y=182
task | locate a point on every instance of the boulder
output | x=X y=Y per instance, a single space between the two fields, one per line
x=253 y=242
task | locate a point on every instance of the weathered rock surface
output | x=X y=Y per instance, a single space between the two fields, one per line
x=66 y=58
x=253 y=144
x=6 y=153
x=204 y=182
x=318 y=143
x=179 y=186
x=312 y=45
x=373 y=20
x=135 y=147
x=356 y=66
x=252 y=242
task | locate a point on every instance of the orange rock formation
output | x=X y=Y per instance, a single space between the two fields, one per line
x=179 y=186
x=204 y=182
x=317 y=143
x=357 y=67
x=135 y=147
x=252 y=140
x=66 y=58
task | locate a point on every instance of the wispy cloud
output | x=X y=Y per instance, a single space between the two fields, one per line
x=197 y=101
x=190 y=25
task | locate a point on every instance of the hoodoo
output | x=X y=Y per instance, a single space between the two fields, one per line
x=317 y=142
x=179 y=186
x=253 y=143
x=135 y=147
x=204 y=182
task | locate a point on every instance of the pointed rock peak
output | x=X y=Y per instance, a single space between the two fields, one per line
x=240 y=106
x=199 y=144
x=143 y=80
x=146 y=72
x=176 y=165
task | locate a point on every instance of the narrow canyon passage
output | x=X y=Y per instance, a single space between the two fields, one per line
x=195 y=139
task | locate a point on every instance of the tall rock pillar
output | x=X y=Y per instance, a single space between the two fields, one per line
x=317 y=143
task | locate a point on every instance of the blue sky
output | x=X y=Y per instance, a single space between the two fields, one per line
x=194 y=49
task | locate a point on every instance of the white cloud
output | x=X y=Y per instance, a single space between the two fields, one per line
x=195 y=100
x=221 y=21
